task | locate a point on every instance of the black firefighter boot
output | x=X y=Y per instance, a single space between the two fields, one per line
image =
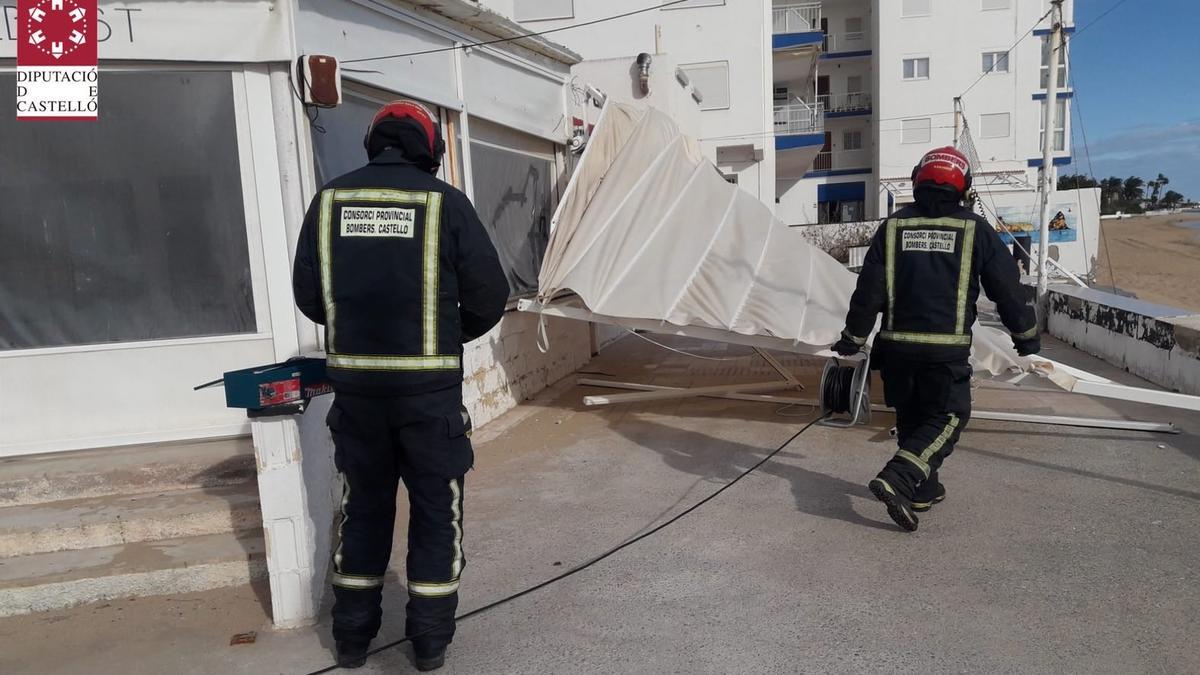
x=889 y=488
x=929 y=492
x=351 y=654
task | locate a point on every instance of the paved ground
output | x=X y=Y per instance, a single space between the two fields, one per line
x=1059 y=550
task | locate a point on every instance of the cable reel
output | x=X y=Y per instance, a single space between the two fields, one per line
x=846 y=391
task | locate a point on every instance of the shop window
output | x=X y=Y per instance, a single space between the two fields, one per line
x=128 y=228
x=514 y=177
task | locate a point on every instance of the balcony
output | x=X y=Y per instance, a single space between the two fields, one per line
x=798 y=117
x=799 y=136
x=797 y=26
x=840 y=162
x=846 y=45
x=846 y=104
x=797 y=18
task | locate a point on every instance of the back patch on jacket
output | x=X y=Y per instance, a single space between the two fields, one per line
x=928 y=241
x=357 y=221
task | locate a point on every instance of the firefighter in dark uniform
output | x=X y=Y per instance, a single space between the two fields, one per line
x=400 y=271
x=923 y=272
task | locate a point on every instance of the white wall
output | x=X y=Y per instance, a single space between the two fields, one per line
x=736 y=31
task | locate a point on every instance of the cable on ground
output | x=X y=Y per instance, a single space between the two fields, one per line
x=603 y=556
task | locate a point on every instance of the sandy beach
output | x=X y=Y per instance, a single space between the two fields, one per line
x=1156 y=258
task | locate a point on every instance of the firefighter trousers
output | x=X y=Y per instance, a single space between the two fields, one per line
x=933 y=405
x=422 y=441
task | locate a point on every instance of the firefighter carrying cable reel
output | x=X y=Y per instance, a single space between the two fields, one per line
x=923 y=272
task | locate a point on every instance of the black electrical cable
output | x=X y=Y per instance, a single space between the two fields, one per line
x=517 y=37
x=607 y=554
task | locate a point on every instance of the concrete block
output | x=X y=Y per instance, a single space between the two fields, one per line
x=299 y=494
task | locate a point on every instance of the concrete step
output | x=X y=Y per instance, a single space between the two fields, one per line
x=122 y=519
x=127 y=470
x=49 y=581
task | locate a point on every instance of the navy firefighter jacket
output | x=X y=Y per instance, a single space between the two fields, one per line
x=924 y=275
x=397 y=267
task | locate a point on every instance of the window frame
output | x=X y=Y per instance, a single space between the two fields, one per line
x=690 y=5
x=916 y=59
x=928 y=130
x=1058 y=129
x=687 y=67
x=846 y=134
x=997 y=55
x=1007 y=127
x=253 y=203
x=1044 y=66
x=927 y=12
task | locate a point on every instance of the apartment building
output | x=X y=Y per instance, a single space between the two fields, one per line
x=822 y=108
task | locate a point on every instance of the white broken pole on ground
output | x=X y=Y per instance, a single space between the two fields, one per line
x=300 y=493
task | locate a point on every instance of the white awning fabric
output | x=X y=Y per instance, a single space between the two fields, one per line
x=649 y=229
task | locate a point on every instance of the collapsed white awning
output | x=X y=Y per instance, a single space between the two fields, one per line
x=649 y=229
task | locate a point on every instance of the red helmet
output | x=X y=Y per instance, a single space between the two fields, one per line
x=416 y=114
x=945 y=165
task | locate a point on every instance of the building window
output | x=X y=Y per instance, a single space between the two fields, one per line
x=916 y=69
x=781 y=95
x=854 y=28
x=111 y=234
x=694 y=3
x=712 y=81
x=1062 y=65
x=850 y=211
x=994 y=125
x=542 y=10
x=915 y=130
x=916 y=8
x=854 y=84
x=852 y=140
x=995 y=4
x=995 y=62
x=1060 y=128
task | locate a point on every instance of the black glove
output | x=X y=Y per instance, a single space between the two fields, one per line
x=846 y=346
x=1028 y=347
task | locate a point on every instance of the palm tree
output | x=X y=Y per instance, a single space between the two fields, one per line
x=1157 y=186
x=1110 y=192
x=1132 y=191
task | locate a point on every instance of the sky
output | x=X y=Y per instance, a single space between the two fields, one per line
x=1137 y=82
